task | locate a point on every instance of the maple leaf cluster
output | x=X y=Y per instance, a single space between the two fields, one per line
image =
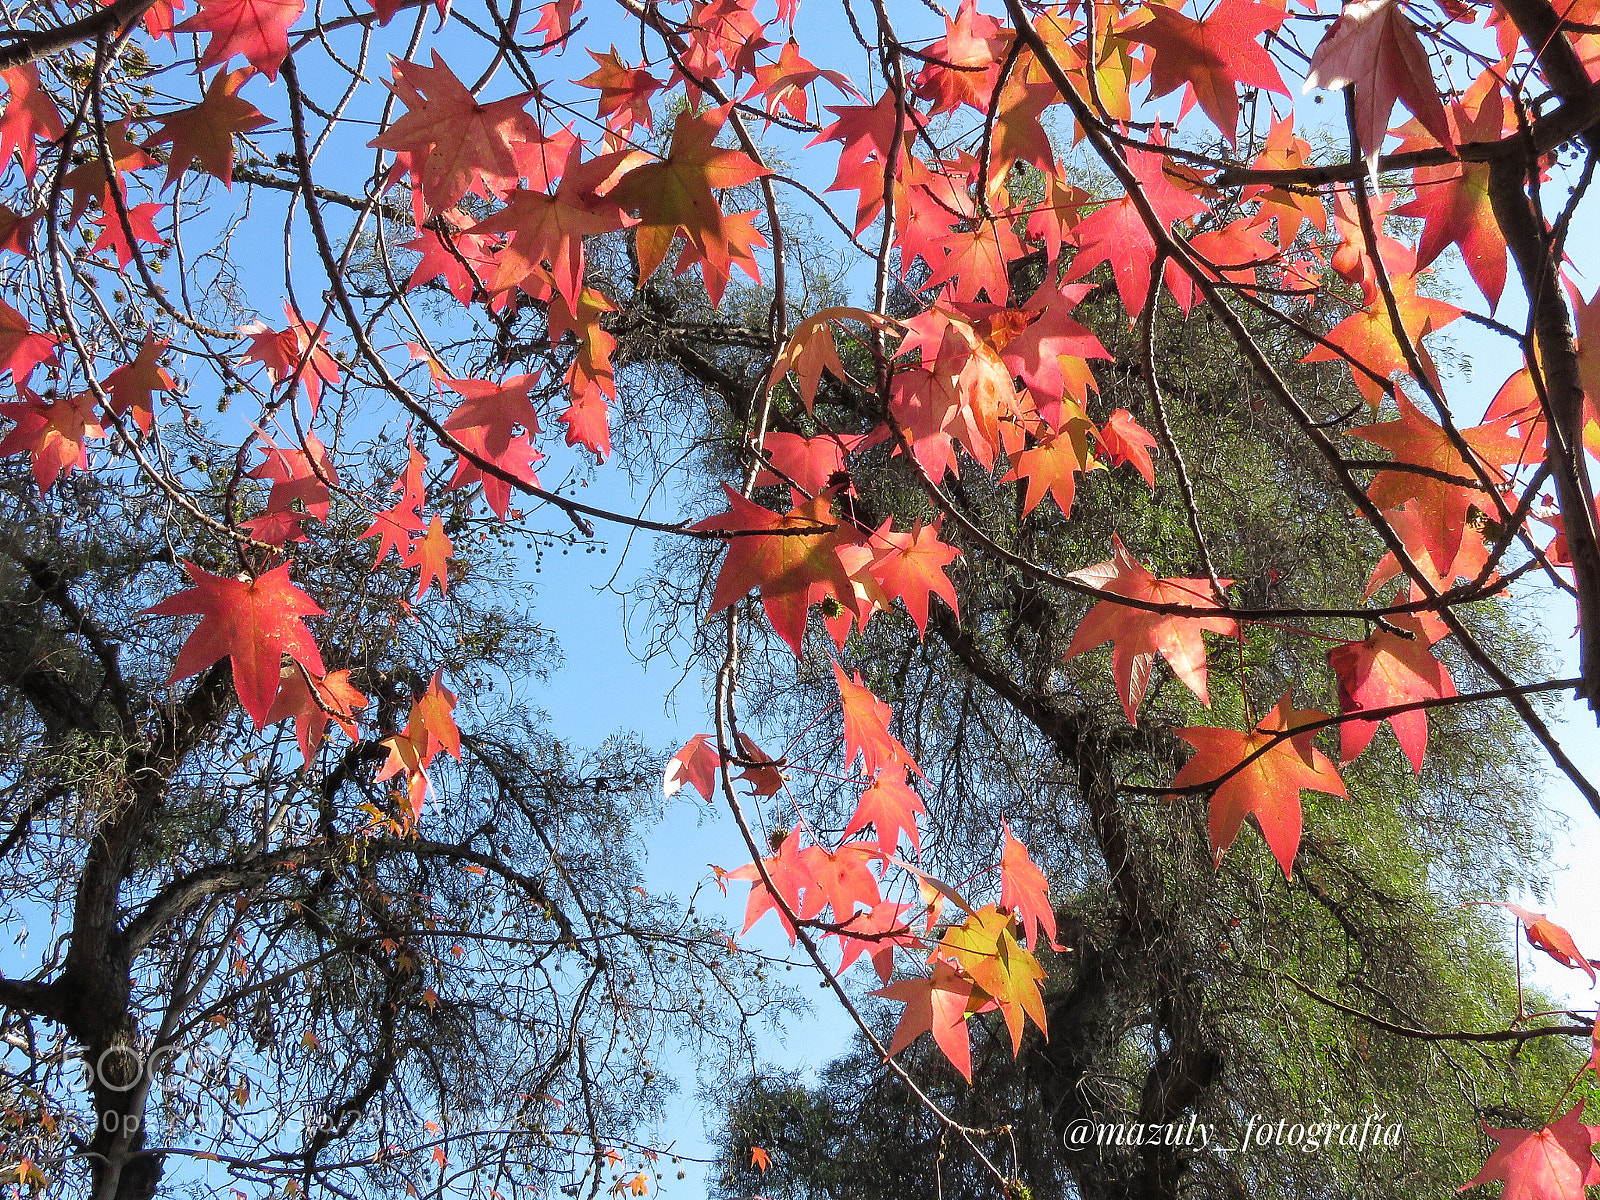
x=985 y=962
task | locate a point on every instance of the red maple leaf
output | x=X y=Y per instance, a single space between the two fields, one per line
x=910 y=566
x=516 y=460
x=864 y=133
x=624 y=91
x=386 y=9
x=1140 y=634
x=964 y=65
x=431 y=727
x=891 y=807
x=141 y=223
x=464 y=256
x=1233 y=253
x=1549 y=937
x=1553 y=1163
x=1215 y=56
x=1019 y=133
x=1351 y=258
x=550 y=228
x=291 y=353
x=454 y=143
x=157 y=18
x=695 y=764
x=806 y=463
x=866 y=727
x=253 y=622
x=493 y=411
x=53 y=431
x=887 y=922
x=783 y=84
x=789 y=876
x=1126 y=441
x=1035 y=354
x=1453 y=201
x=1268 y=788
x=16 y=231
x=394 y=526
x=1116 y=233
x=841 y=877
x=21 y=349
x=257 y=29
x=1375 y=47
x=298 y=474
x=1384 y=670
x=205 y=132
x=721 y=34
x=30 y=114
x=936 y=1005
x=555 y=23
x=966 y=261
x=132 y=387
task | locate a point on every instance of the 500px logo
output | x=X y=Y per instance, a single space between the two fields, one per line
x=123 y=1068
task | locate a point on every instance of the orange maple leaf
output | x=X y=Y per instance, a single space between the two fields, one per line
x=1052 y=464
x=891 y=807
x=988 y=951
x=1140 y=634
x=206 y=130
x=1367 y=337
x=1417 y=440
x=1024 y=891
x=938 y=1005
x=1268 y=788
x=792 y=570
x=1549 y=937
x=676 y=195
x=431 y=552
